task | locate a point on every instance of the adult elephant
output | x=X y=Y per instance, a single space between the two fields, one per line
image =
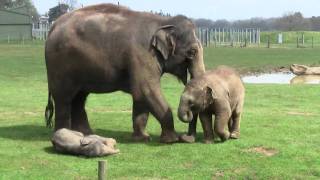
x=105 y=48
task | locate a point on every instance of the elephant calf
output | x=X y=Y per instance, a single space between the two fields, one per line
x=74 y=142
x=218 y=92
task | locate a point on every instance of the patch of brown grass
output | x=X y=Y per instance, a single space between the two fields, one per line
x=263 y=150
x=296 y=113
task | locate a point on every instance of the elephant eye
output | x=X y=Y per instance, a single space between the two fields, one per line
x=191 y=104
x=191 y=53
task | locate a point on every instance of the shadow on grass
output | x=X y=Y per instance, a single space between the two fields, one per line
x=41 y=133
x=124 y=137
x=50 y=150
x=26 y=133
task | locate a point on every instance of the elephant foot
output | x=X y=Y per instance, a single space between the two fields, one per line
x=187 y=138
x=169 y=137
x=141 y=137
x=235 y=135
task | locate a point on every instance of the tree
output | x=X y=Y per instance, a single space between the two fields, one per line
x=57 y=11
x=293 y=22
x=315 y=23
x=72 y=4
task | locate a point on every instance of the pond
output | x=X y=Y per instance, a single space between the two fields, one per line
x=281 y=78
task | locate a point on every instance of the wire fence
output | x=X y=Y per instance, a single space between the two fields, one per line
x=214 y=37
x=253 y=37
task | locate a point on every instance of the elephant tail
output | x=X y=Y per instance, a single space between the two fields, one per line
x=49 y=111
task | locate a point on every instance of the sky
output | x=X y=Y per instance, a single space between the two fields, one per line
x=208 y=9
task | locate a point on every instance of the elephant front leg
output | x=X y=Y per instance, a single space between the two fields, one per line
x=140 y=117
x=235 y=128
x=190 y=137
x=221 y=121
x=206 y=122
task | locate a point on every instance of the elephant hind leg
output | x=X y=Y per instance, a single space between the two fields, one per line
x=62 y=114
x=79 y=119
x=140 y=117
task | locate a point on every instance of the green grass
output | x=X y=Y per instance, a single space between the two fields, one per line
x=282 y=117
x=260 y=59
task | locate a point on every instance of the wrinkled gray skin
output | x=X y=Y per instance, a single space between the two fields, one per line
x=218 y=92
x=74 y=142
x=107 y=48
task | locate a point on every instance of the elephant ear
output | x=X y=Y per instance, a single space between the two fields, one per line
x=210 y=96
x=163 y=41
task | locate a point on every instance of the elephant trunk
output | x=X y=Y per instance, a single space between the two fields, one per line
x=184 y=112
x=197 y=67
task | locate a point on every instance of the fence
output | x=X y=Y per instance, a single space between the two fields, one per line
x=229 y=37
x=253 y=37
x=40 y=31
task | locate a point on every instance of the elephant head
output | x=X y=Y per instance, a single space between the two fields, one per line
x=193 y=100
x=178 y=48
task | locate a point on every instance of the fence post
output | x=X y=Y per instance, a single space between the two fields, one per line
x=209 y=37
x=268 y=41
x=102 y=170
x=8 y=39
x=232 y=37
x=297 y=42
x=215 y=36
x=259 y=36
x=206 y=37
x=312 y=41
x=219 y=36
x=223 y=35
x=245 y=42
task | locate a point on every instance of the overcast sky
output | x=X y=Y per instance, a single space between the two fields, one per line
x=209 y=9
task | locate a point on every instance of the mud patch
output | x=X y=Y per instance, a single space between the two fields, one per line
x=263 y=150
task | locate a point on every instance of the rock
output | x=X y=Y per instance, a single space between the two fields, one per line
x=298 y=69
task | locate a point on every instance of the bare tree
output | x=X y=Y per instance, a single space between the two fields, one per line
x=72 y=4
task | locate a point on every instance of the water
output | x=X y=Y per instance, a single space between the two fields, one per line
x=281 y=78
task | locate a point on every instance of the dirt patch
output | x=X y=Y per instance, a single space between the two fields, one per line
x=188 y=165
x=263 y=150
x=218 y=175
x=299 y=113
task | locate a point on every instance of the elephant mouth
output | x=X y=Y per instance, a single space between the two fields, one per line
x=186 y=117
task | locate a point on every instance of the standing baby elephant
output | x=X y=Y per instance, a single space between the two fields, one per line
x=219 y=92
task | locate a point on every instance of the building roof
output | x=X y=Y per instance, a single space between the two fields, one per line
x=15 y=16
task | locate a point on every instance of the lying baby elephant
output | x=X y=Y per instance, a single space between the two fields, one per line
x=218 y=92
x=73 y=142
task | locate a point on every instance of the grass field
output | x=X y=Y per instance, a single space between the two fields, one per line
x=280 y=137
